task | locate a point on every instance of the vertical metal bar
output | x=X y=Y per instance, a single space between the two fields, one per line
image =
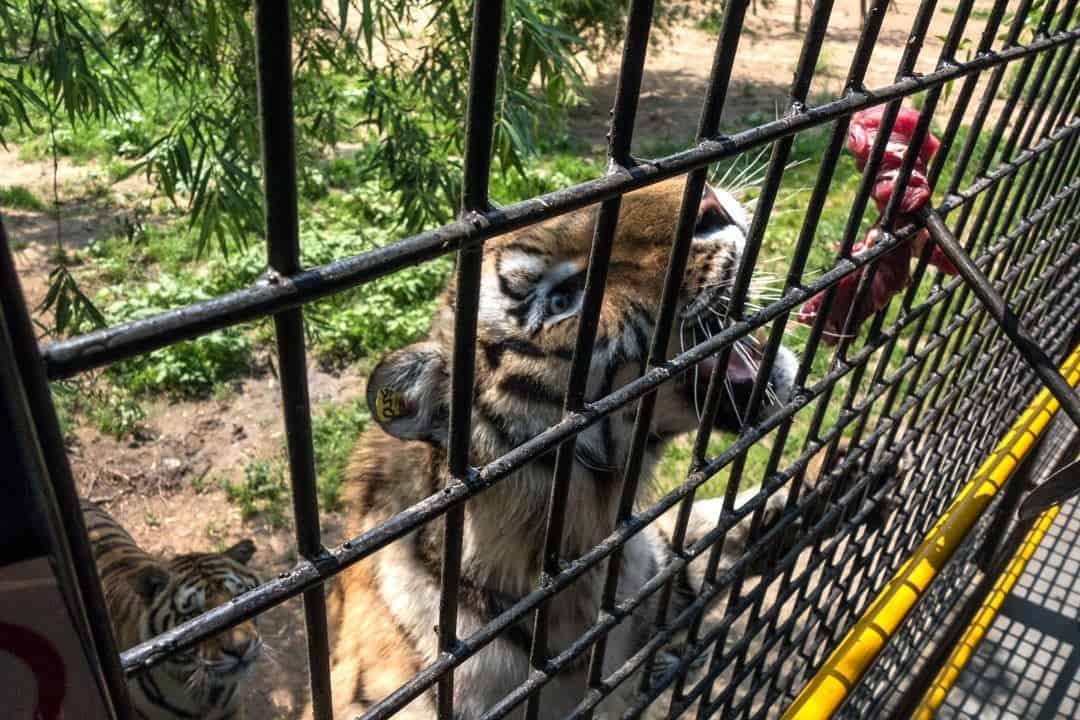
x=35 y=384
x=479 y=129
x=918 y=136
x=856 y=74
x=804 y=72
x=274 y=78
x=627 y=91
x=708 y=126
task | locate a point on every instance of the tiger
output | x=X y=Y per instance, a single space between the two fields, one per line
x=384 y=610
x=147 y=595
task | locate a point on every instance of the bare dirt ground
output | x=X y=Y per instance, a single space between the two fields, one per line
x=677 y=69
x=157 y=484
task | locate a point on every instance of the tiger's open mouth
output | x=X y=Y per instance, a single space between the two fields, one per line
x=743 y=365
x=720 y=235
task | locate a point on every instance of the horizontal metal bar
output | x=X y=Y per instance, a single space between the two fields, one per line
x=276 y=293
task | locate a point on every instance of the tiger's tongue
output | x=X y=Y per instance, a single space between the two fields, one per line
x=738 y=370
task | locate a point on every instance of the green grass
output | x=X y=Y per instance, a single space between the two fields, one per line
x=18 y=197
x=711 y=22
x=334 y=431
x=109 y=409
x=263 y=492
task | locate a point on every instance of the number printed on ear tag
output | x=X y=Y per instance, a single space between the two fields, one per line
x=389 y=404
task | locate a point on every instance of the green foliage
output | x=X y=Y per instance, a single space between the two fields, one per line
x=111 y=410
x=55 y=59
x=263 y=492
x=264 y=489
x=19 y=197
x=711 y=21
x=189 y=367
x=173 y=86
x=334 y=432
x=70 y=306
x=117 y=414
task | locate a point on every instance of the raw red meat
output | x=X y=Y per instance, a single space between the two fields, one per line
x=894 y=268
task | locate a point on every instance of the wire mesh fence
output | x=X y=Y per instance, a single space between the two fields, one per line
x=898 y=411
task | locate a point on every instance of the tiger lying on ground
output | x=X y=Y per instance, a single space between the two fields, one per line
x=384 y=611
x=147 y=595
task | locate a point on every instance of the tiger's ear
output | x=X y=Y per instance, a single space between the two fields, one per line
x=149 y=581
x=242 y=551
x=408 y=393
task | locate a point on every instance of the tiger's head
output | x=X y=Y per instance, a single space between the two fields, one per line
x=531 y=297
x=178 y=589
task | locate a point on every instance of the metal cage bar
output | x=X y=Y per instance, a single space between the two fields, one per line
x=483 y=71
x=273 y=47
x=628 y=88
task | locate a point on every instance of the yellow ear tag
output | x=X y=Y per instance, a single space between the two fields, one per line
x=389 y=404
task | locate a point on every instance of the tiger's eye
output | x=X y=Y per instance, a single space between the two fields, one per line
x=558 y=302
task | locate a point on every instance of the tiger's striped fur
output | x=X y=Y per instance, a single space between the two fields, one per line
x=147 y=595
x=384 y=611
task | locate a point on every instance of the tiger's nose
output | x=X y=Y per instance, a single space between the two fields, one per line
x=240 y=640
x=711 y=213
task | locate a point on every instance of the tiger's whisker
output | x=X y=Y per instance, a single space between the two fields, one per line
x=734 y=404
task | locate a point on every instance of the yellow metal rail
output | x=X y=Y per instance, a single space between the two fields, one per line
x=963 y=650
x=846 y=664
